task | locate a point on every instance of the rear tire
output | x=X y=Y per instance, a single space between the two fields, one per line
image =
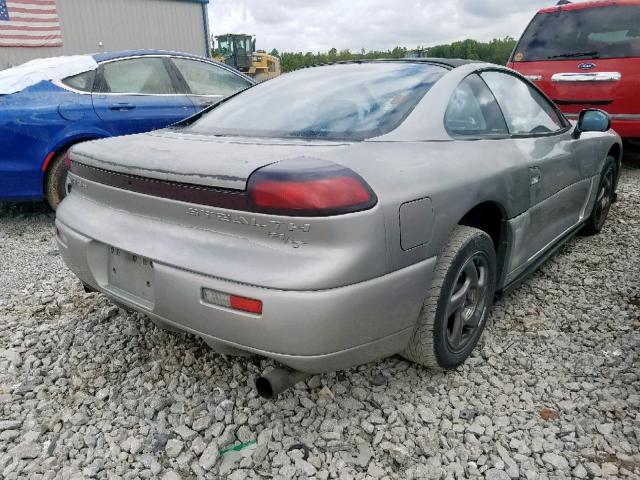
x=457 y=305
x=605 y=198
x=55 y=180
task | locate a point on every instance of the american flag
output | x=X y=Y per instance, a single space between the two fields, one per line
x=29 y=23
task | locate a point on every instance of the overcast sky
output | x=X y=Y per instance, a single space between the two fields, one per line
x=318 y=25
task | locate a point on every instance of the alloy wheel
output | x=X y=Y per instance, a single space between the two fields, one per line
x=605 y=198
x=468 y=302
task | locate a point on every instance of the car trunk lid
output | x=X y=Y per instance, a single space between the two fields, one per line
x=192 y=159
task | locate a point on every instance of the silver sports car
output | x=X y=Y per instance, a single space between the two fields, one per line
x=340 y=214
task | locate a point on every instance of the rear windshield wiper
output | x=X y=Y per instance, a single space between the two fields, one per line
x=593 y=54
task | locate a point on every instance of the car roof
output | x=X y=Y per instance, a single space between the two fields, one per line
x=590 y=4
x=447 y=62
x=103 y=57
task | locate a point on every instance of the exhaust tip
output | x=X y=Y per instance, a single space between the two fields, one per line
x=273 y=383
x=264 y=388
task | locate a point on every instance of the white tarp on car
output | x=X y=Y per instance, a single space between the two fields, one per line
x=18 y=78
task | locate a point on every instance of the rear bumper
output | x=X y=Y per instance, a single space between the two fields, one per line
x=24 y=148
x=17 y=185
x=312 y=331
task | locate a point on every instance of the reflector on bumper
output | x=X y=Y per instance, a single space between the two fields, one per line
x=233 y=302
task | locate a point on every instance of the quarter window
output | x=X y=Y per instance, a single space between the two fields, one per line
x=82 y=82
x=526 y=111
x=473 y=110
x=137 y=76
x=208 y=79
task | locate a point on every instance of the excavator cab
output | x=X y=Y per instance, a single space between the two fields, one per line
x=236 y=50
x=239 y=51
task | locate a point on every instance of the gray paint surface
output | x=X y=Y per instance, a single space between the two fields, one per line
x=120 y=25
x=207 y=155
x=338 y=290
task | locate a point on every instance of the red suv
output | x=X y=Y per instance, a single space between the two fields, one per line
x=587 y=55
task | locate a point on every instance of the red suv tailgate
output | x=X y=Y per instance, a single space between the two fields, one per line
x=587 y=55
x=610 y=84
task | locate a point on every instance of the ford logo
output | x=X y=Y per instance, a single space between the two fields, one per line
x=586 y=66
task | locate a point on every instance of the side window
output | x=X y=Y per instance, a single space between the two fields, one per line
x=82 y=82
x=473 y=110
x=208 y=79
x=137 y=76
x=526 y=111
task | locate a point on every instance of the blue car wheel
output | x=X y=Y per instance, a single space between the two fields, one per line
x=55 y=180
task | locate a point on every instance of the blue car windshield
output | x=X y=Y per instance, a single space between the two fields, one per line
x=337 y=102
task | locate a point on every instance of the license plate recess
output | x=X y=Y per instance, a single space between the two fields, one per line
x=131 y=275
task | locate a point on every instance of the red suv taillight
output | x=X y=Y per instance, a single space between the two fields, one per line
x=308 y=187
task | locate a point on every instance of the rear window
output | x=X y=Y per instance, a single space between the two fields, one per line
x=341 y=102
x=602 y=32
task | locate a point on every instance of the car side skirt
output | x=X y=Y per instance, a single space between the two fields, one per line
x=535 y=264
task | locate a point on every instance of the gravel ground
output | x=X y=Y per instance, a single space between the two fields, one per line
x=89 y=391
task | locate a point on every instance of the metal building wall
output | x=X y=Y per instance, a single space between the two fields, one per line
x=121 y=25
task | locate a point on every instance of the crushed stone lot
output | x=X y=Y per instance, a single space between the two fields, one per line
x=90 y=391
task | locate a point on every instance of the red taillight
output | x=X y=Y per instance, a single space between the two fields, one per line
x=327 y=193
x=308 y=187
x=246 y=304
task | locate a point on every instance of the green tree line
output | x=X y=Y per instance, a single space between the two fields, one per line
x=495 y=51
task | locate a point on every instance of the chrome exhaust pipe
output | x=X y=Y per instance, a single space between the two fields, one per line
x=277 y=381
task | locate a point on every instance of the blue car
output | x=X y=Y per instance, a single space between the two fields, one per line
x=115 y=94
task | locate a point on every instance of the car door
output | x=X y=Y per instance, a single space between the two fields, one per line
x=207 y=83
x=138 y=95
x=559 y=183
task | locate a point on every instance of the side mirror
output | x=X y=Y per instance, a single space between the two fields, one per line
x=592 y=120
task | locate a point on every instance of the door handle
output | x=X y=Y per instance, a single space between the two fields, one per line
x=122 y=106
x=534 y=176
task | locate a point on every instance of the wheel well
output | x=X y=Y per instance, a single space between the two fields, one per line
x=490 y=218
x=615 y=151
x=64 y=147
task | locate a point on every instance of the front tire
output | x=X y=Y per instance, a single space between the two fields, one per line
x=55 y=180
x=457 y=305
x=604 y=200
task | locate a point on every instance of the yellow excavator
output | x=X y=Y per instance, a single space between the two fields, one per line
x=239 y=51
